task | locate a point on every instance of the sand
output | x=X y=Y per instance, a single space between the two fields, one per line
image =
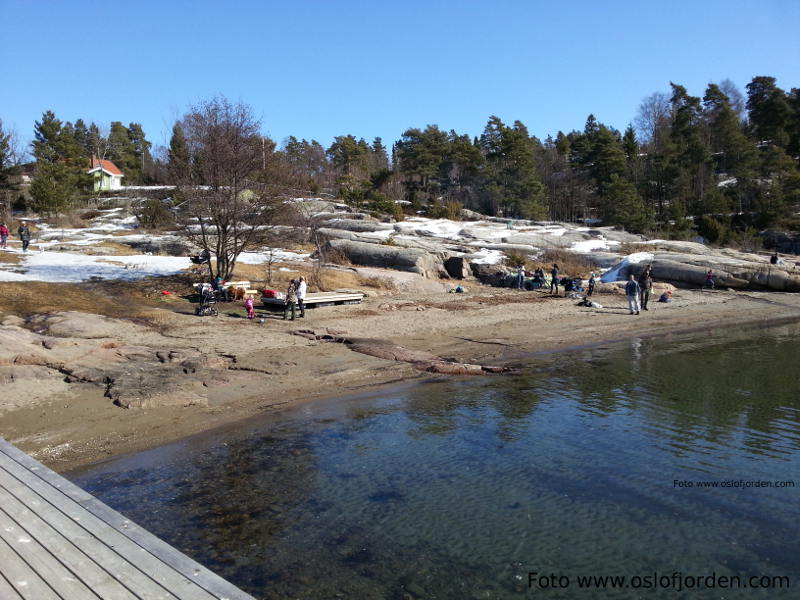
x=276 y=370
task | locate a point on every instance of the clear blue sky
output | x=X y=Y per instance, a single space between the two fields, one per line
x=317 y=69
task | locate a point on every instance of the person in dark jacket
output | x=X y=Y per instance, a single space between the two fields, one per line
x=592 y=281
x=291 y=300
x=554 y=281
x=24 y=235
x=646 y=285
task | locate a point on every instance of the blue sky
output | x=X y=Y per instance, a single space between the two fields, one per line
x=317 y=69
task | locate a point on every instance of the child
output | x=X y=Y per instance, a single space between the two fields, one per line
x=248 y=305
x=709 y=280
x=4 y=233
x=666 y=297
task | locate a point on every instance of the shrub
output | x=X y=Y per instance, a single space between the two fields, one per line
x=713 y=230
x=515 y=259
x=155 y=214
x=570 y=264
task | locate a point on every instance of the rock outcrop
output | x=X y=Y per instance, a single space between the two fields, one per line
x=72 y=348
x=733 y=269
x=391 y=257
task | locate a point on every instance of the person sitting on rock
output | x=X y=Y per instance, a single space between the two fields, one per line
x=709 y=282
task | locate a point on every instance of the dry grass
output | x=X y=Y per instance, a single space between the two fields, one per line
x=30 y=297
x=628 y=248
x=378 y=283
x=570 y=264
x=117 y=248
x=11 y=258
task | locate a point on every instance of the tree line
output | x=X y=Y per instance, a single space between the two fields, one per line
x=725 y=162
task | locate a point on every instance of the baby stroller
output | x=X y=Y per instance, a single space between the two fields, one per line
x=208 y=303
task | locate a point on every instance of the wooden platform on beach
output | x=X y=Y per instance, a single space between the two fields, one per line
x=59 y=542
x=317 y=299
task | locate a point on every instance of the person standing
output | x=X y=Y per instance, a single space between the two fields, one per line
x=632 y=291
x=554 y=280
x=590 y=289
x=301 y=296
x=291 y=300
x=4 y=233
x=249 y=307
x=25 y=235
x=520 y=277
x=646 y=285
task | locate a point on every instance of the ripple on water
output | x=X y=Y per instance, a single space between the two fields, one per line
x=457 y=489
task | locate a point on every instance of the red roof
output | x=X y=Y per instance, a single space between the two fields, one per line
x=106 y=165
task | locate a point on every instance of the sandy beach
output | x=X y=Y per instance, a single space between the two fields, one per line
x=274 y=369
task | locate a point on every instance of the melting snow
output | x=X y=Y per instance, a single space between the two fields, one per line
x=615 y=272
x=59 y=267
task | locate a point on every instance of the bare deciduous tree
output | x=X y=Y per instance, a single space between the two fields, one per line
x=654 y=115
x=226 y=203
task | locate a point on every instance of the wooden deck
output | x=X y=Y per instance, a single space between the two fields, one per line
x=59 y=542
x=317 y=299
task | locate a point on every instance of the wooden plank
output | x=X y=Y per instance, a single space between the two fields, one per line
x=95 y=545
x=162 y=574
x=21 y=578
x=42 y=561
x=172 y=569
x=98 y=566
x=6 y=591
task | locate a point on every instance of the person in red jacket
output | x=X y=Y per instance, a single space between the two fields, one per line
x=4 y=233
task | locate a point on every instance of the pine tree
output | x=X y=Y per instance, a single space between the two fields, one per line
x=83 y=138
x=623 y=207
x=694 y=190
x=179 y=159
x=768 y=110
x=141 y=154
x=46 y=138
x=57 y=186
x=7 y=165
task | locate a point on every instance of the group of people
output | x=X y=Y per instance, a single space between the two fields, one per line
x=540 y=280
x=23 y=232
x=295 y=299
x=638 y=290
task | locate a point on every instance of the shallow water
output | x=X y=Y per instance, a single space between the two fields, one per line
x=460 y=488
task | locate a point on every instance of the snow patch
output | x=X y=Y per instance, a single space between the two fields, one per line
x=615 y=273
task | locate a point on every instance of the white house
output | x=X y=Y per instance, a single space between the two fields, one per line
x=106 y=175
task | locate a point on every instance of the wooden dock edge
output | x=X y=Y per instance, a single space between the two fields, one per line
x=210 y=582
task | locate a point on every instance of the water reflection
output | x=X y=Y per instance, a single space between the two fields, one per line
x=458 y=488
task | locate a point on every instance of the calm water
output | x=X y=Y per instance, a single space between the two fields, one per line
x=459 y=488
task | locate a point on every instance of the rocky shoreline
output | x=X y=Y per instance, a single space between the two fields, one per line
x=80 y=387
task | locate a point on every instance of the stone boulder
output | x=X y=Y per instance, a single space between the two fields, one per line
x=358 y=225
x=604 y=260
x=735 y=270
x=495 y=275
x=166 y=245
x=84 y=325
x=413 y=260
x=458 y=267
